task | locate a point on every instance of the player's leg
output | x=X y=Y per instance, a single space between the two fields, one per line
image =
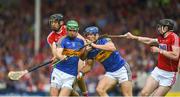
x=74 y=93
x=65 y=91
x=125 y=79
x=126 y=88
x=150 y=85
x=81 y=82
x=55 y=83
x=105 y=84
x=166 y=81
x=162 y=91
x=82 y=86
x=54 y=92
x=68 y=81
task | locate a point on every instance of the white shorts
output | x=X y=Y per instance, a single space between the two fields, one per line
x=165 y=78
x=121 y=75
x=61 y=79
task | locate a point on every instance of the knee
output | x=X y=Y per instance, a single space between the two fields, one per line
x=54 y=92
x=126 y=88
x=100 y=90
x=144 y=93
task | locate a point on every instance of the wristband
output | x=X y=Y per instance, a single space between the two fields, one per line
x=81 y=73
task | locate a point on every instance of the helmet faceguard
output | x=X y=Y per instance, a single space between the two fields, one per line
x=168 y=22
x=53 y=18
x=171 y=24
x=72 y=26
x=92 y=33
x=91 y=30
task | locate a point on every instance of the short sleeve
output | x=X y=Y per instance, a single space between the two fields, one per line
x=175 y=40
x=64 y=31
x=82 y=42
x=104 y=41
x=50 y=39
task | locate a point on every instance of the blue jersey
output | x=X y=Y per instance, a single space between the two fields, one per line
x=111 y=60
x=70 y=65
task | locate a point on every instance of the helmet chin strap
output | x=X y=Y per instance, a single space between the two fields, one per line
x=164 y=32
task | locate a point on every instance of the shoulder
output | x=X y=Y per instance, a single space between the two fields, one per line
x=50 y=38
x=173 y=35
x=79 y=40
x=63 y=30
x=51 y=34
x=104 y=39
x=63 y=26
x=62 y=39
x=107 y=39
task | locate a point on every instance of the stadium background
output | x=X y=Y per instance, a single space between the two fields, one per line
x=17 y=20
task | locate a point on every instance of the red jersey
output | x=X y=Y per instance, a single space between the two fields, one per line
x=54 y=37
x=165 y=63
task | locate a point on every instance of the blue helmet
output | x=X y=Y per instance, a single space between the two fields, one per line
x=91 y=30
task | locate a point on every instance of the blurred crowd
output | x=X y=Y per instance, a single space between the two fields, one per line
x=112 y=16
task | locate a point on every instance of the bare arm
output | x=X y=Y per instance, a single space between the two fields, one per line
x=88 y=66
x=81 y=37
x=145 y=40
x=57 y=52
x=109 y=46
x=174 y=54
x=53 y=53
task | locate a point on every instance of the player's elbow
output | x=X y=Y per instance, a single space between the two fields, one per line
x=175 y=57
x=113 y=49
x=59 y=56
